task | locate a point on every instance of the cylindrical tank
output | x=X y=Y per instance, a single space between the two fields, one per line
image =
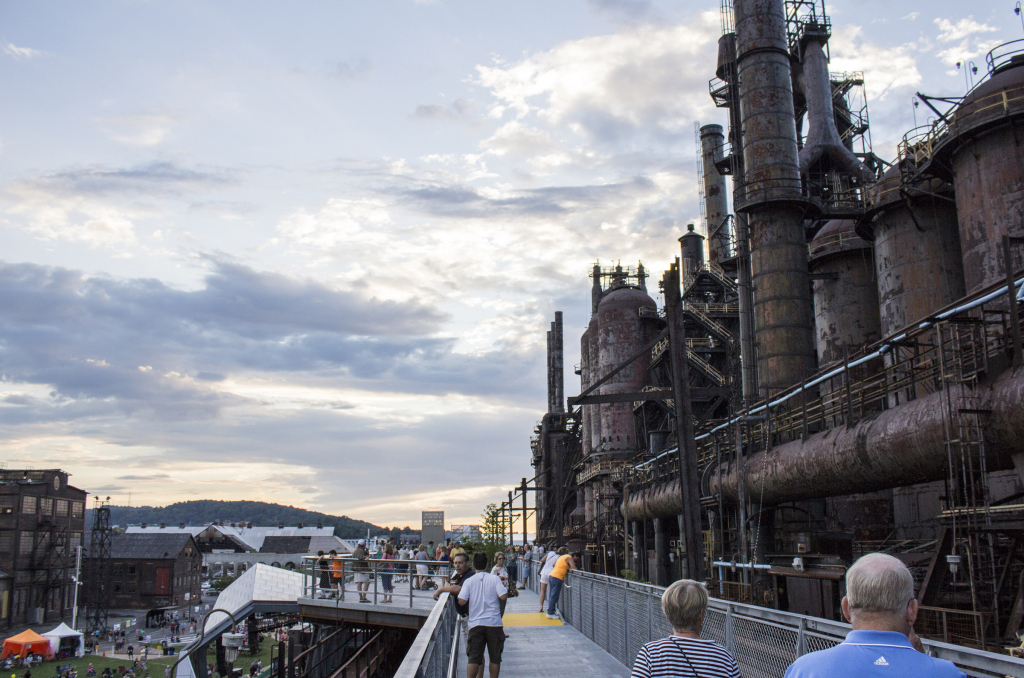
x=621 y=333
x=845 y=302
x=918 y=266
x=772 y=197
x=585 y=382
x=988 y=174
x=716 y=202
x=692 y=244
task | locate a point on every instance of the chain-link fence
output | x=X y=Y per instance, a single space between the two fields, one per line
x=621 y=616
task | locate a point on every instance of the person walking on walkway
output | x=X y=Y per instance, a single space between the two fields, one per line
x=323 y=567
x=881 y=607
x=337 y=572
x=422 y=570
x=685 y=653
x=556 y=580
x=387 y=577
x=545 y=572
x=483 y=595
x=360 y=568
x=524 y=568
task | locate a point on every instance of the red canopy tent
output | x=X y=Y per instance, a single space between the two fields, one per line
x=25 y=643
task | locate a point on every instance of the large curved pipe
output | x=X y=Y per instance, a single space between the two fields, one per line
x=822 y=135
x=898 y=447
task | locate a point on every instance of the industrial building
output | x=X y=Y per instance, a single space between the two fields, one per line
x=42 y=519
x=148 y=571
x=837 y=365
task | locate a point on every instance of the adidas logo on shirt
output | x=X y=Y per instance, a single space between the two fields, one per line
x=881 y=662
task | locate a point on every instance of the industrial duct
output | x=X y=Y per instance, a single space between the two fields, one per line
x=822 y=136
x=898 y=447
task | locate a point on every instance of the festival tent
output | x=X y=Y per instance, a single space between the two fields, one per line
x=62 y=632
x=25 y=643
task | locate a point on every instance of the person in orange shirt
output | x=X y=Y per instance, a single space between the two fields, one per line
x=336 y=571
x=557 y=579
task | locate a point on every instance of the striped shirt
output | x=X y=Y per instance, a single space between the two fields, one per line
x=675 y=656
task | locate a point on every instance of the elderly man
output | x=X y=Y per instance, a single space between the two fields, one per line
x=881 y=607
x=685 y=653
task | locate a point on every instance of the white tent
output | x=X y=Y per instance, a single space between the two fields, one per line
x=65 y=631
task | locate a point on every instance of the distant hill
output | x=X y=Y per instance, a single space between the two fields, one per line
x=203 y=511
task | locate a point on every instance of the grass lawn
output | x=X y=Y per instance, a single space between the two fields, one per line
x=155 y=664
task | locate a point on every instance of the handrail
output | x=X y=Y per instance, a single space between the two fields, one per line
x=759 y=623
x=413 y=664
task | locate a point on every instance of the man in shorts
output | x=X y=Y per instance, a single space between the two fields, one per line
x=360 y=568
x=483 y=594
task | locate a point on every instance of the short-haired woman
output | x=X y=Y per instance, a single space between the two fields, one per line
x=685 y=653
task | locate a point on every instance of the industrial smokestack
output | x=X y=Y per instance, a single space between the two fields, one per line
x=822 y=136
x=716 y=205
x=551 y=376
x=595 y=290
x=557 y=356
x=772 y=198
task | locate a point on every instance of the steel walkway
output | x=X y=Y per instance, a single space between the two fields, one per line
x=536 y=646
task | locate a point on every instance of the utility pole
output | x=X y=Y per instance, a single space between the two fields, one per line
x=689 y=483
x=78 y=583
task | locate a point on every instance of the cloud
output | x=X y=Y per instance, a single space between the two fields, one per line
x=637 y=85
x=460 y=109
x=139 y=129
x=951 y=32
x=628 y=9
x=351 y=68
x=886 y=69
x=12 y=50
x=98 y=206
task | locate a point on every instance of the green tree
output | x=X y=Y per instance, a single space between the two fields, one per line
x=493 y=531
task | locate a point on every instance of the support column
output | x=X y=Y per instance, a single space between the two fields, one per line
x=660 y=553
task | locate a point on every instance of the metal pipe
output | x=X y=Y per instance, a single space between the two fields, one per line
x=822 y=136
x=743 y=566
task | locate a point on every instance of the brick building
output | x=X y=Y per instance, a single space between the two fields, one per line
x=153 y=570
x=42 y=519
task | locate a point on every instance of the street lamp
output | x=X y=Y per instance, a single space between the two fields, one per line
x=968 y=66
x=232 y=644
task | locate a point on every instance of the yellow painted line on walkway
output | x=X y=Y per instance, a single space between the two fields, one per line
x=529 y=619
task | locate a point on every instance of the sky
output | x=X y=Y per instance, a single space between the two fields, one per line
x=306 y=253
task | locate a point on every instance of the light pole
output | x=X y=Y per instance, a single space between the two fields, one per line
x=77 y=582
x=968 y=66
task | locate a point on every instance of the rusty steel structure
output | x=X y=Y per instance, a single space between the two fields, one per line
x=837 y=367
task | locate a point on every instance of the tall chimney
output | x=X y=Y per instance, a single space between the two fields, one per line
x=716 y=203
x=772 y=198
x=595 y=290
x=551 y=376
x=557 y=355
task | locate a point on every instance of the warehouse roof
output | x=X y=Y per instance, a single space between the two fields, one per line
x=135 y=545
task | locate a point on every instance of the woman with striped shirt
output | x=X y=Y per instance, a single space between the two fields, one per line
x=685 y=653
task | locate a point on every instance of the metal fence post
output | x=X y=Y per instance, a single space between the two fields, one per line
x=801 y=638
x=730 y=644
x=650 y=617
x=625 y=619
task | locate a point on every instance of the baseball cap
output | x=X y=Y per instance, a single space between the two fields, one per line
x=362 y=542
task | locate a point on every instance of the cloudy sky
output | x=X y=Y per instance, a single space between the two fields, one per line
x=307 y=252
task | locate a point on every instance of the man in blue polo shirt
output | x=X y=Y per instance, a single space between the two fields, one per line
x=881 y=607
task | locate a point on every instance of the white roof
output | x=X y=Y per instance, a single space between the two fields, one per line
x=260 y=583
x=251 y=537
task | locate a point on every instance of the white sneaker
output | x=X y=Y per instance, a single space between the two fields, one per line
x=552 y=616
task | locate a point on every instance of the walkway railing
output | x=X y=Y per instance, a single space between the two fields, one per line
x=338 y=576
x=434 y=653
x=621 y=616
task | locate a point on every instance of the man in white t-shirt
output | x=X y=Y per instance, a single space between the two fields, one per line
x=483 y=593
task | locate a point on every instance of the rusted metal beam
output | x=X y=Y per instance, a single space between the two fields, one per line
x=689 y=479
